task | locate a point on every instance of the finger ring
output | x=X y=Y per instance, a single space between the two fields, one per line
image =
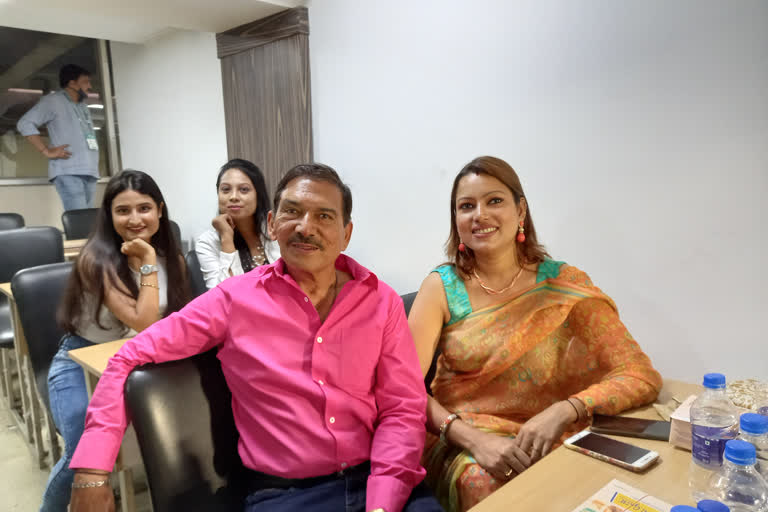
x=509 y=473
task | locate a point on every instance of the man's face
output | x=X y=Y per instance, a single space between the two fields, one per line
x=309 y=224
x=83 y=83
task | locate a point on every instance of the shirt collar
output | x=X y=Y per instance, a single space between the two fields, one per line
x=343 y=263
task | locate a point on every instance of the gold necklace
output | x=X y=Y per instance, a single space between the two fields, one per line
x=490 y=290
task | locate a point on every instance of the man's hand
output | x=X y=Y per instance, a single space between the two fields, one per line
x=57 y=152
x=92 y=499
x=539 y=433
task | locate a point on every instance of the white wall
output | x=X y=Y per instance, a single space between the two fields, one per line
x=38 y=204
x=639 y=129
x=170 y=112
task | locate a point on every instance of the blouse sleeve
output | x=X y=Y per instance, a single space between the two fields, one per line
x=215 y=264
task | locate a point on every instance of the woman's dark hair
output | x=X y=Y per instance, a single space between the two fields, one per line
x=528 y=252
x=101 y=258
x=262 y=206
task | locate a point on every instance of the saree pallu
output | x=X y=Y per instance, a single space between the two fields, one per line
x=503 y=364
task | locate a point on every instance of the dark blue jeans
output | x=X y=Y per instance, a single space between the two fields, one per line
x=69 y=401
x=343 y=494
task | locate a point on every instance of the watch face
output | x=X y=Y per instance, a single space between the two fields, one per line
x=147 y=269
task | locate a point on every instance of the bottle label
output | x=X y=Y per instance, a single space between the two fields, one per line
x=708 y=445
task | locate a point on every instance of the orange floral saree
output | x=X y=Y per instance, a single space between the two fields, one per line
x=503 y=364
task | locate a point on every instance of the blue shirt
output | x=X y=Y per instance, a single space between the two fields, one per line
x=68 y=123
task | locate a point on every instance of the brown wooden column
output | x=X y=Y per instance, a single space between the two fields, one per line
x=267 y=102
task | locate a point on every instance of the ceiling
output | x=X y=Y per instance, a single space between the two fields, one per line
x=135 y=21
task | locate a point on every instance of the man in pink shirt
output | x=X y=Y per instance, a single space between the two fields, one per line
x=327 y=392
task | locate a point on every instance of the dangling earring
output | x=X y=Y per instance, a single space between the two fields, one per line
x=521 y=233
x=462 y=247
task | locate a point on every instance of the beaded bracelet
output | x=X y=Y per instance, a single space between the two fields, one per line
x=446 y=423
x=150 y=284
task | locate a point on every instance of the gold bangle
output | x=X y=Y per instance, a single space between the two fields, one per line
x=88 y=485
x=150 y=284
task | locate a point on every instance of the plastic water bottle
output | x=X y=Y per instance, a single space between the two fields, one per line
x=714 y=420
x=738 y=484
x=712 y=506
x=762 y=400
x=683 y=508
x=753 y=428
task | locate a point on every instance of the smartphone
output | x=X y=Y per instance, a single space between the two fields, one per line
x=631 y=427
x=606 y=449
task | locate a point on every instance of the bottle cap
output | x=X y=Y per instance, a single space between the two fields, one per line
x=752 y=423
x=683 y=508
x=740 y=453
x=714 y=381
x=712 y=506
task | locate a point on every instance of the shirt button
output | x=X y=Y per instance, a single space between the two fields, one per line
x=321 y=383
x=332 y=420
x=319 y=339
x=306 y=299
x=343 y=464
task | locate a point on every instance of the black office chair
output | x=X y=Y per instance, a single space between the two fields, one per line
x=196 y=279
x=408 y=302
x=78 y=224
x=182 y=414
x=11 y=221
x=21 y=248
x=29 y=247
x=38 y=292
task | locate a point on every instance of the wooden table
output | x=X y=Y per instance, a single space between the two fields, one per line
x=31 y=417
x=564 y=479
x=72 y=248
x=94 y=360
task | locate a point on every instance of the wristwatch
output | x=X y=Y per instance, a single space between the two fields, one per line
x=148 y=269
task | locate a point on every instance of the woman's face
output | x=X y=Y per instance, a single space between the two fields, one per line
x=135 y=215
x=487 y=217
x=237 y=195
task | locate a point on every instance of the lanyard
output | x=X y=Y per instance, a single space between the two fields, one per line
x=86 y=125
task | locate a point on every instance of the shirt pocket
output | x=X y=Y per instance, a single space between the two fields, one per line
x=360 y=350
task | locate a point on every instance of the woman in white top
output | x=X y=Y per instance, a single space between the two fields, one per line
x=129 y=274
x=238 y=241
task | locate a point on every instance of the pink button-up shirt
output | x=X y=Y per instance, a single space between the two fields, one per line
x=309 y=398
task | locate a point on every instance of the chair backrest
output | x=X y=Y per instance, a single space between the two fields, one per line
x=182 y=414
x=38 y=292
x=11 y=221
x=408 y=302
x=78 y=224
x=196 y=279
x=29 y=247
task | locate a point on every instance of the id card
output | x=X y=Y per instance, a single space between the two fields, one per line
x=92 y=143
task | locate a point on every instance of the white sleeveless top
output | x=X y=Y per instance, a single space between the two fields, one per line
x=114 y=329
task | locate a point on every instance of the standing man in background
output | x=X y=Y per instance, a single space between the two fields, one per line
x=73 y=156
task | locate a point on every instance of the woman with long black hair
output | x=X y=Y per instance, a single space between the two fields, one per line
x=238 y=241
x=129 y=274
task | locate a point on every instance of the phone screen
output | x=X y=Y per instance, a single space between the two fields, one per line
x=636 y=427
x=610 y=447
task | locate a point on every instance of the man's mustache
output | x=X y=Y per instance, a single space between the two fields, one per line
x=298 y=238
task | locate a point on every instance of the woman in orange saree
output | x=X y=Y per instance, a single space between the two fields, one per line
x=530 y=347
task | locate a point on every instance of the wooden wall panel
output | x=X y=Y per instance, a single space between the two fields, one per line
x=267 y=105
